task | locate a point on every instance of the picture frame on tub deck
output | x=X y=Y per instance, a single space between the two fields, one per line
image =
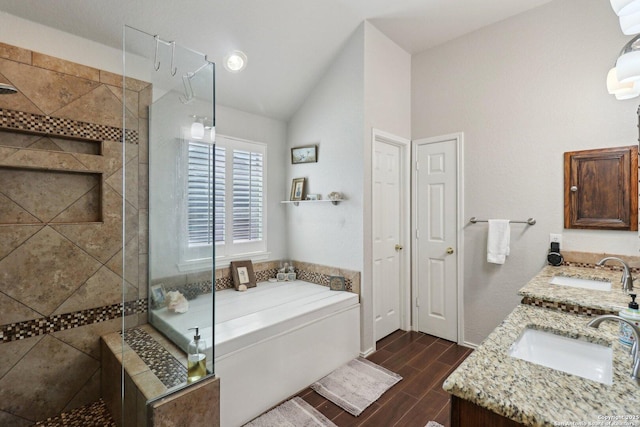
x=297 y=189
x=336 y=283
x=158 y=296
x=242 y=274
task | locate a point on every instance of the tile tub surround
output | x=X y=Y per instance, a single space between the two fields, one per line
x=153 y=367
x=538 y=396
x=199 y=283
x=538 y=291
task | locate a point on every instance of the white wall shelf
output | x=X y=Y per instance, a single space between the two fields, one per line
x=297 y=202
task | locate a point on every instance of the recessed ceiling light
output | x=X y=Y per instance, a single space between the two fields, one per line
x=235 y=61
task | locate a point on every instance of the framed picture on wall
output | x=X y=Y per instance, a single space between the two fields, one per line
x=297 y=189
x=307 y=154
x=242 y=274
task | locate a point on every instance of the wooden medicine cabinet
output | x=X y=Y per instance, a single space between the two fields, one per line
x=601 y=189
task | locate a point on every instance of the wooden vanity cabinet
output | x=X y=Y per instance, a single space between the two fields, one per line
x=467 y=414
x=601 y=189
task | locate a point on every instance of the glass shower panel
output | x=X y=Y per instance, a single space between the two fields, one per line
x=168 y=260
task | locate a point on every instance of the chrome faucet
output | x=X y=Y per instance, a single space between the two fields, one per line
x=595 y=323
x=626 y=280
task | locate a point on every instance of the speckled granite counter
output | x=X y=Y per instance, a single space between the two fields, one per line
x=577 y=300
x=538 y=396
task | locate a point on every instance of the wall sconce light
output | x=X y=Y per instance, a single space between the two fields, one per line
x=625 y=7
x=630 y=24
x=197 y=128
x=621 y=90
x=200 y=125
x=235 y=61
x=628 y=63
x=623 y=80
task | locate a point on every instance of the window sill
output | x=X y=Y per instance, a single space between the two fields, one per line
x=220 y=262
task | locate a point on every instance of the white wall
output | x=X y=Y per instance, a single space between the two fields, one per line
x=387 y=104
x=367 y=86
x=524 y=91
x=239 y=124
x=332 y=117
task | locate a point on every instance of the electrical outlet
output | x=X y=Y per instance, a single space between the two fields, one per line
x=555 y=238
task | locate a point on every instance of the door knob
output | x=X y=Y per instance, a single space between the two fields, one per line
x=398 y=247
x=449 y=250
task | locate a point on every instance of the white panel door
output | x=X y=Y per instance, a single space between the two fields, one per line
x=386 y=220
x=435 y=257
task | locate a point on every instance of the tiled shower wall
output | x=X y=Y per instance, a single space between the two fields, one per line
x=61 y=254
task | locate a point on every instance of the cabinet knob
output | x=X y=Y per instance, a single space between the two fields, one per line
x=574 y=188
x=449 y=250
x=398 y=247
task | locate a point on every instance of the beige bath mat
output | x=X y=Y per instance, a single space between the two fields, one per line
x=292 y=413
x=356 y=385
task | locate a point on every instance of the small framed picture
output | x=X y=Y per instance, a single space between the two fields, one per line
x=291 y=276
x=242 y=273
x=336 y=283
x=307 y=154
x=313 y=196
x=158 y=296
x=297 y=189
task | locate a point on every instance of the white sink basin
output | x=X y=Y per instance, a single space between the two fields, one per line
x=574 y=282
x=573 y=356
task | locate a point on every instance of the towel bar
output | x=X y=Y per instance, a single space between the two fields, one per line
x=529 y=221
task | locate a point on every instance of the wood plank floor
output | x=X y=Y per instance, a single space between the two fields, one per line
x=424 y=362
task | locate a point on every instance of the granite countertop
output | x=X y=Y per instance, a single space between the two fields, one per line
x=538 y=396
x=614 y=300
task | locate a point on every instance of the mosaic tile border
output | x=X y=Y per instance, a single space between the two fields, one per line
x=610 y=267
x=162 y=363
x=566 y=308
x=261 y=276
x=322 y=279
x=94 y=414
x=308 y=276
x=38 y=123
x=60 y=322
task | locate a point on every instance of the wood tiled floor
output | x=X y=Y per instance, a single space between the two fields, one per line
x=424 y=362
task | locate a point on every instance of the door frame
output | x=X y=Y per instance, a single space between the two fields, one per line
x=459 y=253
x=405 y=226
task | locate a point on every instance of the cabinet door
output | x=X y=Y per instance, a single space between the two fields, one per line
x=601 y=189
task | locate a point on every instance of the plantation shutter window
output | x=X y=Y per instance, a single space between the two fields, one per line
x=226 y=197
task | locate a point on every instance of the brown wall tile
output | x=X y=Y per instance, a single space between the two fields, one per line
x=15 y=53
x=60 y=65
x=69 y=268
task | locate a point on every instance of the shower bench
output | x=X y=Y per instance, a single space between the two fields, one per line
x=270 y=341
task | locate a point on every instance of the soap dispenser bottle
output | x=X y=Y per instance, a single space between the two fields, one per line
x=632 y=314
x=196 y=358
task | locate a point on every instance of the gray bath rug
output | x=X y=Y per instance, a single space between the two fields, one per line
x=356 y=385
x=433 y=424
x=292 y=413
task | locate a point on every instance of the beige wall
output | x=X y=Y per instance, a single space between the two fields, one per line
x=524 y=91
x=61 y=228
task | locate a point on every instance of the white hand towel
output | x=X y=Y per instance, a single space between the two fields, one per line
x=498 y=241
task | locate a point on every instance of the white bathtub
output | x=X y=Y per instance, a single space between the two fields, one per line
x=270 y=341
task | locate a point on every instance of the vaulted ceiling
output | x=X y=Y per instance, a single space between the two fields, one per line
x=288 y=42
